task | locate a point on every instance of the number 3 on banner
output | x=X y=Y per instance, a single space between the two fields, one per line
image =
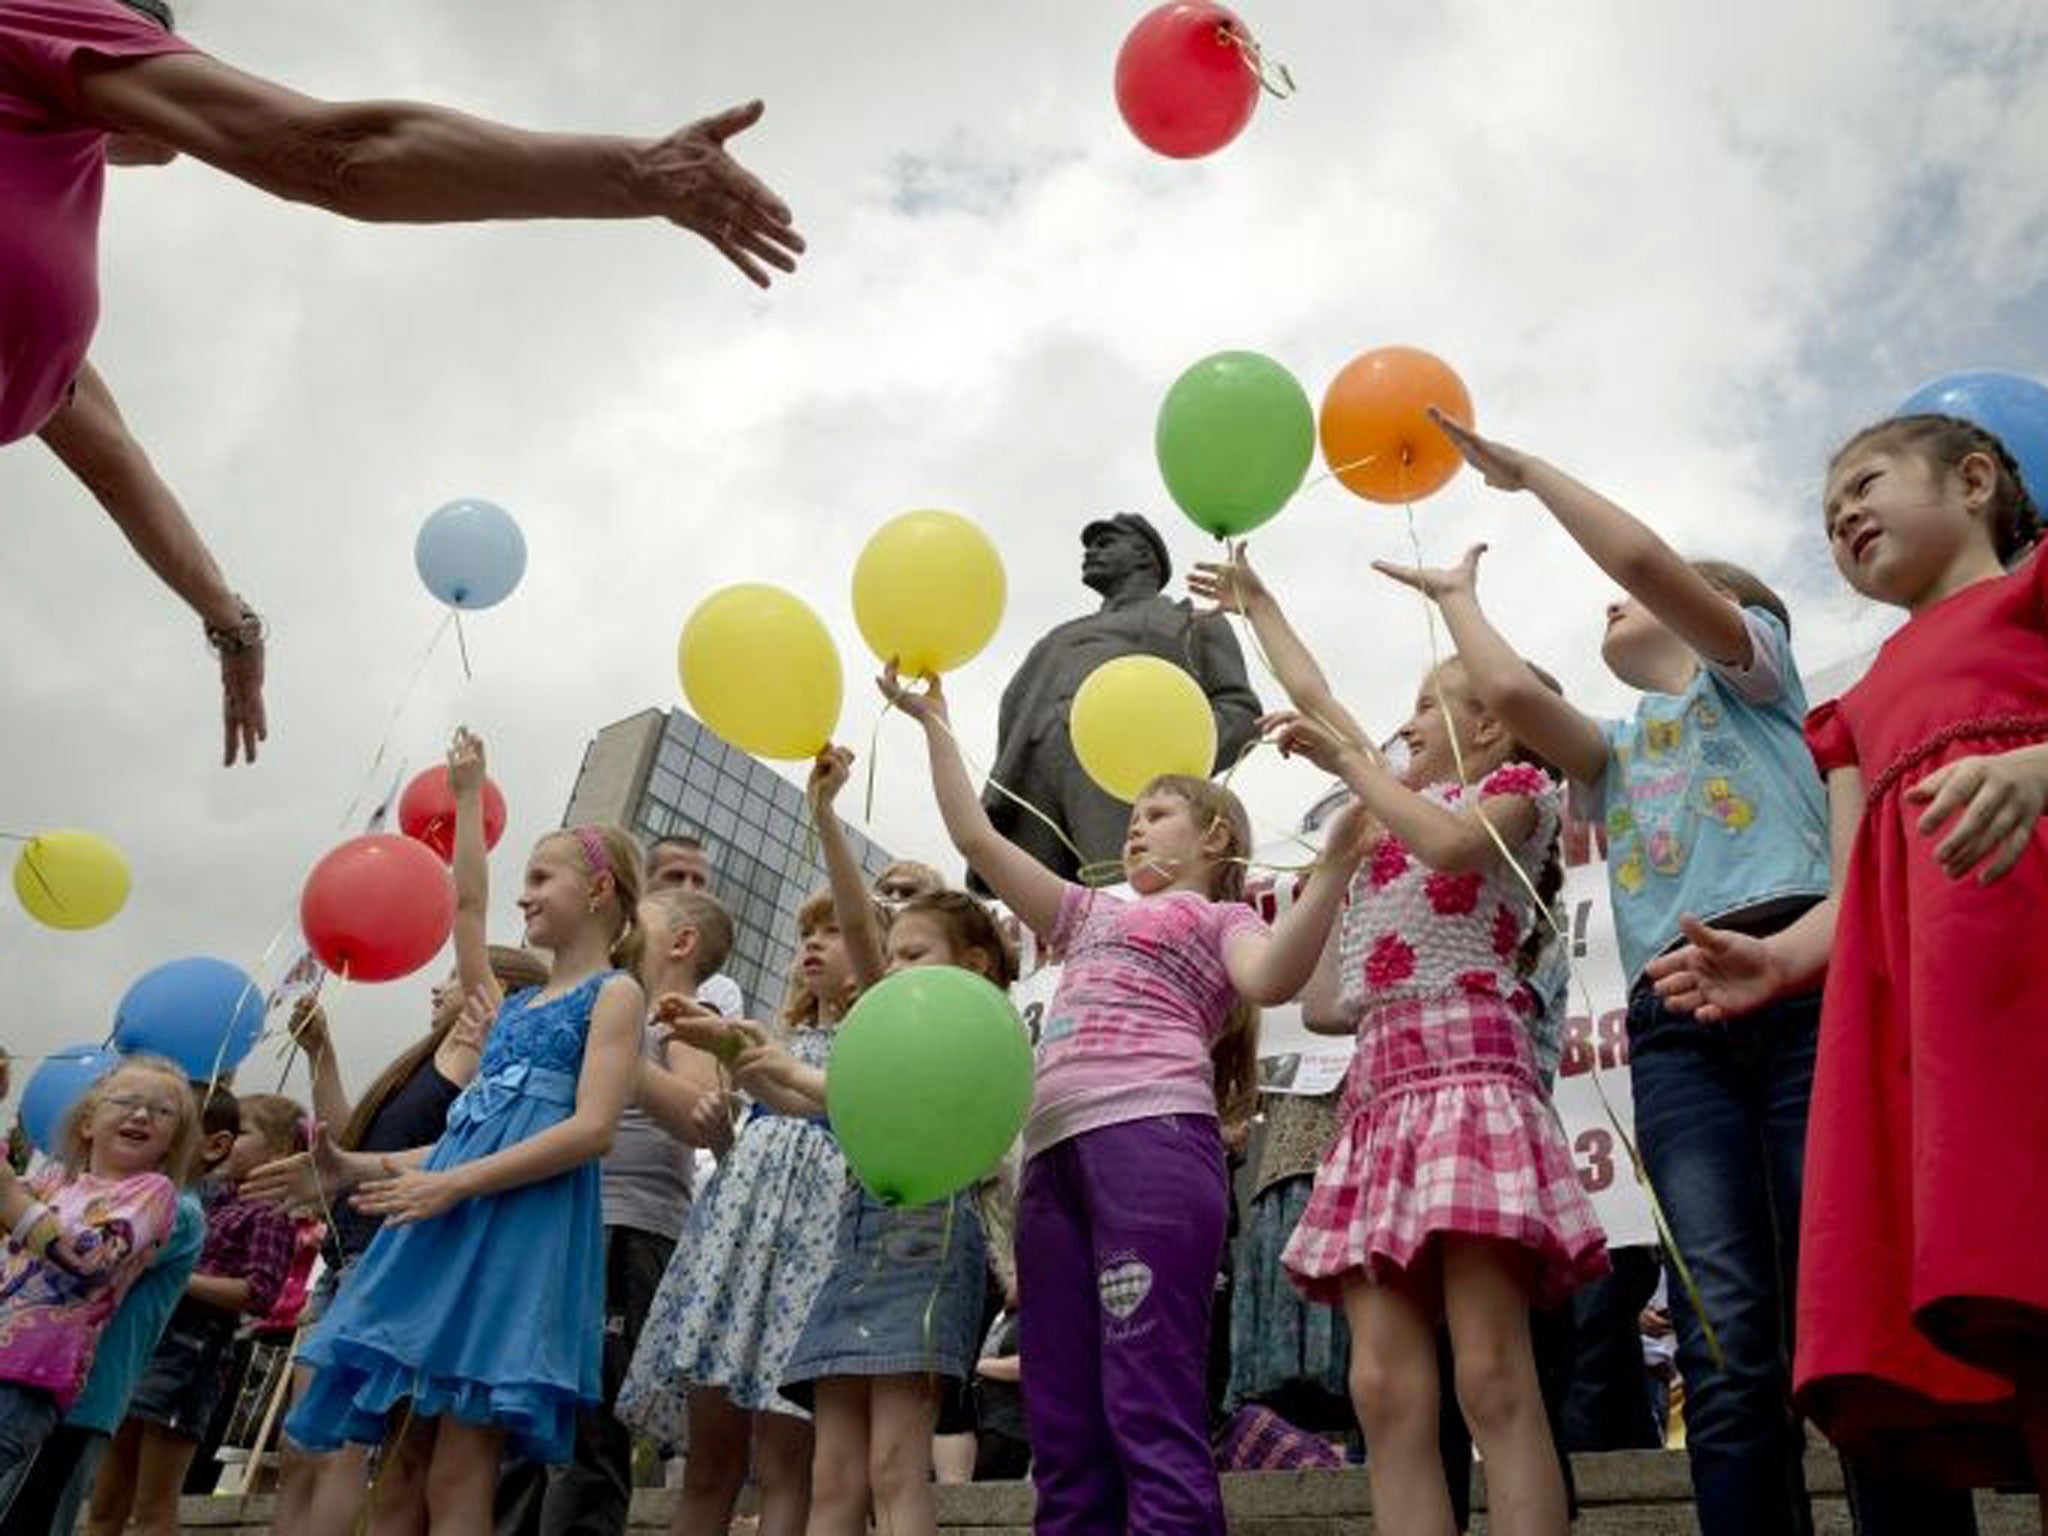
x=1596 y=1149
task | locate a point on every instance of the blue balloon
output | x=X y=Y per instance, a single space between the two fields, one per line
x=470 y=554
x=2009 y=405
x=204 y=1014
x=59 y=1083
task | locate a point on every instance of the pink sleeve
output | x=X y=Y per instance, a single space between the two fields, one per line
x=45 y=45
x=1233 y=918
x=1828 y=737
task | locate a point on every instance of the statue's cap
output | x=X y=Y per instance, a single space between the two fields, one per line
x=1132 y=522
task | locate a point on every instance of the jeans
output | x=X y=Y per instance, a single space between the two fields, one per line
x=27 y=1415
x=1721 y=1123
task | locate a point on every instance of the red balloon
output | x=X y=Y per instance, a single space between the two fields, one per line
x=377 y=908
x=1182 y=80
x=427 y=811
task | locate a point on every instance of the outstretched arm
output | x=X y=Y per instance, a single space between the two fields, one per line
x=472 y=868
x=92 y=440
x=1234 y=587
x=1274 y=966
x=851 y=902
x=1540 y=719
x=411 y=163
x=1019 y=881
x=1621 y=544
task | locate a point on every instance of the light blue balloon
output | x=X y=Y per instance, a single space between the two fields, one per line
x=58 y=1084
x=470 y=553
x=204 y=1014
x=2010 y=406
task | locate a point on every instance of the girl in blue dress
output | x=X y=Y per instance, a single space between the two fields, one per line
x=473 y=1305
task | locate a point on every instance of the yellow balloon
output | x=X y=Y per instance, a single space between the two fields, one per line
x=70 y=879
x=759 y=668
x=928 y=591
x=1136 y=717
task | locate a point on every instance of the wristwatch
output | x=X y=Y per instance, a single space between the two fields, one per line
x=245 y=634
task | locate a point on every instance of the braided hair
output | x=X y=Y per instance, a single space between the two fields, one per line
x=1944 y=442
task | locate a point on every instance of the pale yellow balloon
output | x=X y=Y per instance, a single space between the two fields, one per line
x=71 y=879
x=760 y=669
x=928 y=592
x=1136 y=717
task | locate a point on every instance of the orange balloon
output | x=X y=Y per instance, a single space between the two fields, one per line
x=1375 y=428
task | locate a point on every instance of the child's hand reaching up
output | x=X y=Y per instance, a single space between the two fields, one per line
x=1229 y=586
x=922 y=706
x=829 y=773
x=1438 y=583
x=1298 y=736
x=466 y=762
x=1505 y=468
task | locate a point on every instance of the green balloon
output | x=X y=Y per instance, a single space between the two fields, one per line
x=1236 y=434
x=928 y=1084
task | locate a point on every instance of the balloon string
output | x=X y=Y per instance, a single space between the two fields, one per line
x=462 y=645
x=1272 y=75
x=397 y=710
x=35 y=868
x=1080 y=858
x=19 y=837
x=874 y=752
x=1548 y=919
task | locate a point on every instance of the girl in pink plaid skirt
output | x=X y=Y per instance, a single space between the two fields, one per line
x=1449 y=1191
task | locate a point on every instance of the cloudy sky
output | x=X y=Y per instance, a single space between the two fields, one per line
x=1680 y=249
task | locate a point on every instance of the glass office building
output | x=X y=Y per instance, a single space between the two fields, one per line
x=657 y=774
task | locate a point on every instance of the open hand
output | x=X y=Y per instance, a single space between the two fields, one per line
x=305 y=1181
x=409 y=1194
x=1716 y=974
x=241 y=702
x=1505 y=468
x=921 y=705
x=1438 y=583
x=1228 y=586
x=479 y=1012
x=1995 y=802
x=691 y=181
x=308 y=1027
x=829 y=773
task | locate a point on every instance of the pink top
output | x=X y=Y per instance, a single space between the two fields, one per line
x=52 y=166
x=54 y=1304
x=1412 y=932
x=1142 y=996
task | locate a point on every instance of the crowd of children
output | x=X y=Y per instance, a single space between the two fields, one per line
x=1828 y=992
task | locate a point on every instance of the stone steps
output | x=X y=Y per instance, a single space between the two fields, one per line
x=1621 y=1493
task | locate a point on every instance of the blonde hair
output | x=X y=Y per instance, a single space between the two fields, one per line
x=800 y=1005
x=622 y=862
x=928 y=879
x=1234 y=1054
x=969 y=925
x=74 y=1145
x=280 y=1121
x=713 y=924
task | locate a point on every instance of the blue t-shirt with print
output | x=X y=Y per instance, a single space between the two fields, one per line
x=1710 y=799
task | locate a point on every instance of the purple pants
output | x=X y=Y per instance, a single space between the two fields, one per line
x=1119 y=1238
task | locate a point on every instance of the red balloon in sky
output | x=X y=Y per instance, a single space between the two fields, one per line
x=377 y=908
x=427 y=811
x=1182 y=80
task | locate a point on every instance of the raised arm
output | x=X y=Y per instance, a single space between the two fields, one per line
x=1274 y=966
x=1019 y=881
x=408 y=162
x=331 y=1106
x=92 y=440
x=851 y=902
x=1234 y=587
x=1537 y=716
x=472 y=868
x=611 y=1054
x=1621 y=544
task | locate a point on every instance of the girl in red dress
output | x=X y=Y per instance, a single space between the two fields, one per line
x=1923 y=1287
